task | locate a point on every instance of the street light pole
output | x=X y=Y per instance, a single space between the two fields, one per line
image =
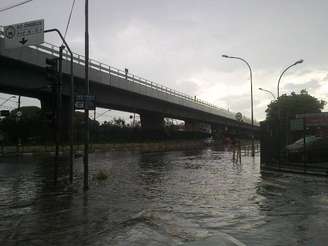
x=86 y=111
x=251 y=79
x=279 y=110
x=294 y=64
x=270 y=92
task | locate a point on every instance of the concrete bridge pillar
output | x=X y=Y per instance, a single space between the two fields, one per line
x=152 y=121
x=47 y=103
x=195 y=126
x=219 y=131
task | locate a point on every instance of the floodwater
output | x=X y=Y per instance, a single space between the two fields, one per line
x=162 y=198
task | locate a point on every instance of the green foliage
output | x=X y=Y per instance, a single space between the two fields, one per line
x=119 y=122
x=290 y=105
x=37 y=126
x=29 y=127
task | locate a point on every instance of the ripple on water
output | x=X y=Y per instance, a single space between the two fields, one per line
x=183 y=196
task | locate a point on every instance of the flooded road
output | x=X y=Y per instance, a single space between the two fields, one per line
x=163 y=198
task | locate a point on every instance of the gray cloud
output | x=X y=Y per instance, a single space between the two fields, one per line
x=311 y=86
x=174 y=42
x=325 y=78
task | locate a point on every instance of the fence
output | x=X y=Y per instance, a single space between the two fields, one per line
x=297 y=157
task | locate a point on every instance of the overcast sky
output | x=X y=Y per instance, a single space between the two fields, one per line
x=179 y=43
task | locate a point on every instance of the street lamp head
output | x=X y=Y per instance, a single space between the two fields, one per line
x=261 y=89
x=225 y=56
x=299 y=62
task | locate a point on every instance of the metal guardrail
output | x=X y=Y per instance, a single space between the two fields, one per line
x=102 y=67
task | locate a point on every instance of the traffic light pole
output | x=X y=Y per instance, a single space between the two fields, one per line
x=58 y=126
x=71 y=103
x=86 y=111
x=17 y=119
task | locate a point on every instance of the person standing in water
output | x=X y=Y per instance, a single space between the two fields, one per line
x=236 y=148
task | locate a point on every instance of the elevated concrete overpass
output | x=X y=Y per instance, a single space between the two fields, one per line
x=22 y=72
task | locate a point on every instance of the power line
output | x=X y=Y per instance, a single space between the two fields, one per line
x=15 y=5
x=69 y=18
x=103 y=113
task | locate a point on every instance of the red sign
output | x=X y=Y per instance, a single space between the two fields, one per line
x=316 y=119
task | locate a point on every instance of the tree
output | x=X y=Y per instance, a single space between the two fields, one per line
x=36 y=126
x=119 y=122
x=281 y=111
x=28 y=127
x=290 y=105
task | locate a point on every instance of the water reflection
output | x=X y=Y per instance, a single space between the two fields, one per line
x=163 y=198
x=153 y=168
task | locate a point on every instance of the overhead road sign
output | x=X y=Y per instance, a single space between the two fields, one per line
x=24 y=34
x=85 y=102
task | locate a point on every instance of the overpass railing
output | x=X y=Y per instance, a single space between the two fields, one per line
x=102 y=67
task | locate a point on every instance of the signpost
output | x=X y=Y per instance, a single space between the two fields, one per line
x=314 y=119
x=24 y=34
x=239 y=116
x=19 y=114
x=85 y=102
x=90 y=102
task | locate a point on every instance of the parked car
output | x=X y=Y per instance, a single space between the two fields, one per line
x=298 y=145
x=316 y=149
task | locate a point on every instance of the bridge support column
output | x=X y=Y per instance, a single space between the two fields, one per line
x=152 y=121
x=47 y=103
x=219 y=131
x=195 y=126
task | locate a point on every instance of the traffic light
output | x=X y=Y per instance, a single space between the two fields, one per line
x=52 y=69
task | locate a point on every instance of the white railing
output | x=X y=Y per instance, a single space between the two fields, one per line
x=94 y=64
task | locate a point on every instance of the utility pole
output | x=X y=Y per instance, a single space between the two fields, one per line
x=251 y=80
x=86 y=110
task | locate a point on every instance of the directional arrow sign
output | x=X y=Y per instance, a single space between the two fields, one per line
x=23 y=41
x=24 y=34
